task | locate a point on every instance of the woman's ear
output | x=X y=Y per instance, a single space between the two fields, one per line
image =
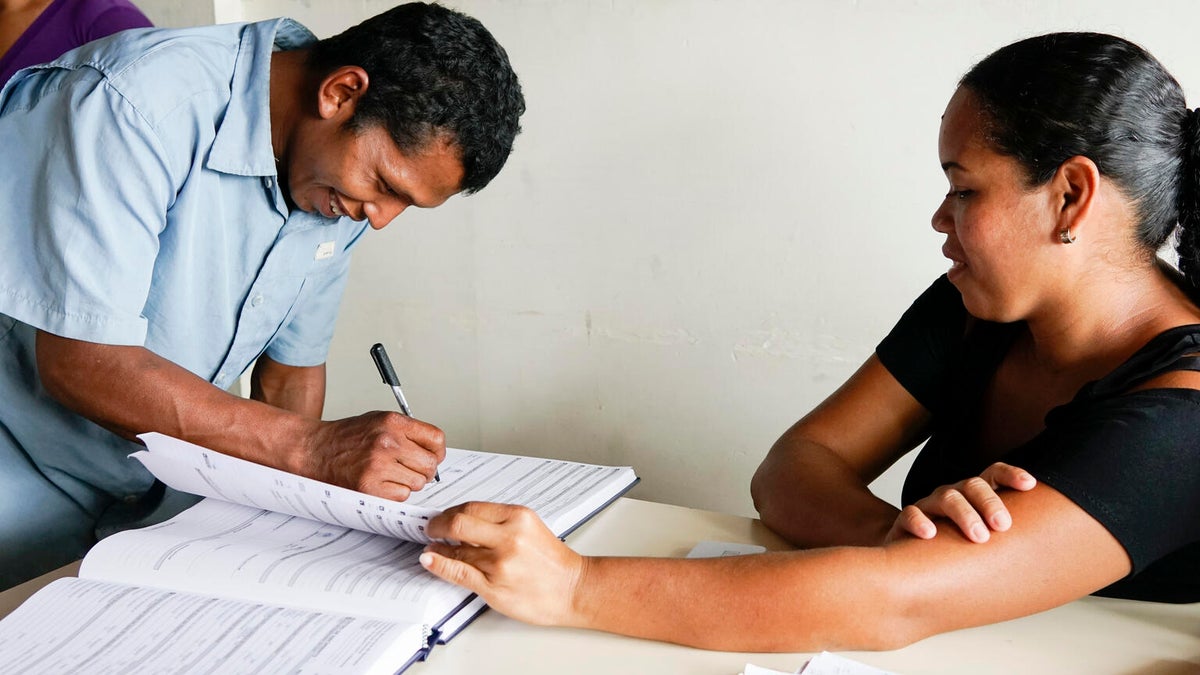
x=339 y=92
x=1075 y=187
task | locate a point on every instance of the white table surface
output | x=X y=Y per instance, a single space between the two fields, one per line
x=1093 y=635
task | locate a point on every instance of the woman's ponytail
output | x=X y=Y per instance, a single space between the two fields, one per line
x=1188 y=246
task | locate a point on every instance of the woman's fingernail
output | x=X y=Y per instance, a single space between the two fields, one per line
x=979 y=532
x=426 y=559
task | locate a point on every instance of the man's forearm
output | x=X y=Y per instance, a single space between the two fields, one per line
x=130 y=390
x=295 y=388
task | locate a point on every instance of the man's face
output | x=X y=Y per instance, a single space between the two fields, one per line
x=362 y=173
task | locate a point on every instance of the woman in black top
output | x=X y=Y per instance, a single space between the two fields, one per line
x=1057 y=342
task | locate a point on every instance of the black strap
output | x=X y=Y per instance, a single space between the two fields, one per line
x=1171 y=350
x=1187 y=363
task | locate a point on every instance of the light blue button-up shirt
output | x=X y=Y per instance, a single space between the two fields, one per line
x=142 y=207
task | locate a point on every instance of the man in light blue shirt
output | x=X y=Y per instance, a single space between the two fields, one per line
x=181 y=204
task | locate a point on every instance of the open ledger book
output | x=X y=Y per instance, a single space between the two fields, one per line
x=276 y=573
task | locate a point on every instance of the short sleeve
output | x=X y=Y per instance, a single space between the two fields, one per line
x=1132 y=462
x=921 y=347
x=84 y=211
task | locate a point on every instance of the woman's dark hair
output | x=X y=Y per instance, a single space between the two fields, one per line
x=432 y=71
x=1053 y=97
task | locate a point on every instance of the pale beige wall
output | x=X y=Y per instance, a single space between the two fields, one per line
x=177 y=14
x=715 y=212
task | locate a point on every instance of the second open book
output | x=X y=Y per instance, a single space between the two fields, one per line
x=334 y=570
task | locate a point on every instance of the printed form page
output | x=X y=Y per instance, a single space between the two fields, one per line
x=563 y=493
x=238 y=551
x=77 y=625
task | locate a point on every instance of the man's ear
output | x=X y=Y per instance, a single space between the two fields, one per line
x=1075 y=187
x=338 y=93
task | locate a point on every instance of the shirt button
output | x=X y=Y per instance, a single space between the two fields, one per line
x=256 y=301
x=269 y=182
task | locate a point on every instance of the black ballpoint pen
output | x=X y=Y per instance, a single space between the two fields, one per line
x=384 y=364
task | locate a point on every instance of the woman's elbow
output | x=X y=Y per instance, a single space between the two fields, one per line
x=758 y=493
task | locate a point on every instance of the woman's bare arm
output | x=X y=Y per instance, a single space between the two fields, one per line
x=879 y=597
x=812 y=486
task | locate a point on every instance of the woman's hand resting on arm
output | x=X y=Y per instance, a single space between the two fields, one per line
x=972 y=504
x=812 y=488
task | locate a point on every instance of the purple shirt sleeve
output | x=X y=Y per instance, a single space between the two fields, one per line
x=117 y=18
x=65 y=25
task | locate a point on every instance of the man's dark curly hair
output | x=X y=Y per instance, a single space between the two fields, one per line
x=432 y=71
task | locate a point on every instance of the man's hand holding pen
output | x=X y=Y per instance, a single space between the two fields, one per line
x=386 y=454
x=380 y=356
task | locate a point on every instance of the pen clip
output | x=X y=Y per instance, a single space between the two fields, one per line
x=384 y=364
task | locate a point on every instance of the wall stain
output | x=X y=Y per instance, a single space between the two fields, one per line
x=788 y=344
x=662 y=337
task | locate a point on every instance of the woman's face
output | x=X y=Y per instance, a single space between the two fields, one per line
x=999 y=233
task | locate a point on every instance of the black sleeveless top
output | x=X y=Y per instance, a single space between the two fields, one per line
x=1129 y=459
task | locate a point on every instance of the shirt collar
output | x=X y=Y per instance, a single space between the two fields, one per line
x=242 y=144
